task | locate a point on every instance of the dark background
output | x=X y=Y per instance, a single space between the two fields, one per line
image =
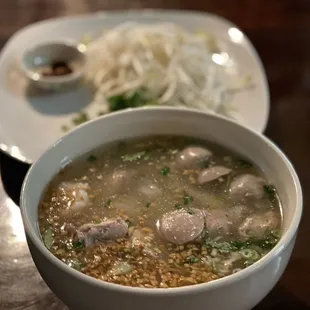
x=280 y=31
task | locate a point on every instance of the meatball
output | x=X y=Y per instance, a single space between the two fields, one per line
x=190 y=157
x=217 y=222
x=149 y=189
x=258 y=225
x=247 y=185
x=181 y=226
x=119 y=180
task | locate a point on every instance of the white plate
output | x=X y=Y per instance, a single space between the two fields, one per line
x=30 y=123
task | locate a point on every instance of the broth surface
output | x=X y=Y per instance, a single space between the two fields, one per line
x=160 y=211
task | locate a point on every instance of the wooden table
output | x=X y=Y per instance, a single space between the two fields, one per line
x=280 y=32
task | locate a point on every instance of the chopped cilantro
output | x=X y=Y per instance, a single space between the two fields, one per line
x=147 y=156
x=148 y=205
x=48 y=237
x=178 y=206
x=64 y=128
x=190 y=211
x=204 y=162
x=108 y=202
x=268 y=242
x=192 y=259
x=129 y=223
x=133 y=157
x=123 y=101
x=241 y=163
x=187 y=199
x=80 y=119
x=271 y=192
x=165 y=171
x=91 y=158
x=78 y=245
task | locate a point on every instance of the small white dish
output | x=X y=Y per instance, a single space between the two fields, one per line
x=239 y=291
x=38 y=124
x=38 y=62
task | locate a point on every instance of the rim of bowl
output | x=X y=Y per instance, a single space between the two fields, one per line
x=80 y=48
x=214 y=284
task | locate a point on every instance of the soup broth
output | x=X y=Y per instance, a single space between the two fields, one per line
x=160 y=212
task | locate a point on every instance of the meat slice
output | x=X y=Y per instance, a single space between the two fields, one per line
x=190 y=156
x=181 y=226
x=247 y=185
x=212 y=173
x=257 y=226
x=108 y=230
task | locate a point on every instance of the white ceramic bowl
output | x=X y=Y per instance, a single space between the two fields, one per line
x=240 y=291
x=44 y=54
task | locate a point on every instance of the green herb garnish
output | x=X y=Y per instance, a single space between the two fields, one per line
x=241 y=163
x=148 y=205
x=178 y=206
x=64 y=128
x=147 y=156
x=192 y=259
x=165 y=171
x=108 y=202
x=271 y=192
x=187 y=199
x=129 y=223
x=190 y=211
x=133 y=157
x=48 y=237
x=91 y=158
x=204 y=162
x=78 y=245
x=80 y=119
x=123 y=101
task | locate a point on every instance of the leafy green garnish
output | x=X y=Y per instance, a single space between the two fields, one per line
x=108 y=202
x=129 y=223
x=91 y=158
x=165 y=171
x=64 y=128
x=187 y=199
x=123 y=101
x=244 y=164
x=178 y=206
x=148 y=205
x=133 y=157
x=204 y=162
x=147 y=156
x=80 y=119
x=190 y=211
x=78 y=245
x=222 y=247
x=192 y=259
x=271 y=192
x=48 y=237
x=268 y=242
x=250 y=254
